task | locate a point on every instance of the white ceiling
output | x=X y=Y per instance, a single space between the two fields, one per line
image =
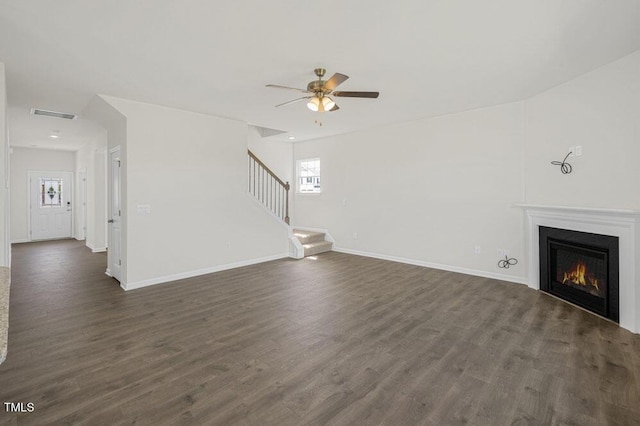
x=31 y=131
x=425 y=57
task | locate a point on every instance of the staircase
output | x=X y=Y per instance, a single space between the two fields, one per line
x=312 y=242
x=268 y=189
x=273 y=193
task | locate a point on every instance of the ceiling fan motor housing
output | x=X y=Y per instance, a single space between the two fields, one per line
x=317 y=87
x=318 y=90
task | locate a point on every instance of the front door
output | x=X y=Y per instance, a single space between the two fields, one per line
x=114 y=258
x=50 y=205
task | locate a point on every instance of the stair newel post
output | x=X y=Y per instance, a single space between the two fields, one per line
x=286 y=198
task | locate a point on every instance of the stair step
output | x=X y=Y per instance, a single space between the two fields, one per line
x=317 y=247
x=308 y=237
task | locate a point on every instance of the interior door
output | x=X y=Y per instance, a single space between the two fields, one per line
x=81 y=218
x=50 y=207
x=115 y=215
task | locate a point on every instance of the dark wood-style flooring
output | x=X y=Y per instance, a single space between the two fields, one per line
x=341 y=339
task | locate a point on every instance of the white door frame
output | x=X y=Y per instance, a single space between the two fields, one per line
x=114 y=266
x=105 y=152
x=30 y=175
x=82 y=204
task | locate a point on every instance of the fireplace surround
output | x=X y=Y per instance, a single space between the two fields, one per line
x=622 y=224
x=581 y=268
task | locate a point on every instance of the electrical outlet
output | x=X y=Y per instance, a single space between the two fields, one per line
x=502 y=253
x=477 y=250
x=576 y=151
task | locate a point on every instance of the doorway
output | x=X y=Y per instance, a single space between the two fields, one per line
x=51 y=213
x=114 y=254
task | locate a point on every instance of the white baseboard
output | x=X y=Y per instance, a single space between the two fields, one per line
x=167 y=278
x=468 y=271
x=95 y=249
x=296 y=251
x=20 y=241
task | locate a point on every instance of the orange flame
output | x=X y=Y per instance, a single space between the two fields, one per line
x=578 y=275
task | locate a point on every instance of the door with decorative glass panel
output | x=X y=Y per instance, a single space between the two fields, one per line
x=50 y=198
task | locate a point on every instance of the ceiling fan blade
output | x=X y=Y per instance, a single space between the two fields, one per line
x=335 y=80
x=277 y=86
x=372 y=95
x=335 y=108
x=294 y=101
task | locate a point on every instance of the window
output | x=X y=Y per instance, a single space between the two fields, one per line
x=309 y=176
x=50 y=192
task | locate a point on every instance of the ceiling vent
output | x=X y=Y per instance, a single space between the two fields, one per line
x=54 y=114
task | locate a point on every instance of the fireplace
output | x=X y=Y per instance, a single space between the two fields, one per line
x=582 y=268
x=623 y=225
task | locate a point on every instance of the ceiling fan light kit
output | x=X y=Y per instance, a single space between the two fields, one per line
x=321 y=104
x=318 y=91
x=328 y=103
x=314 y=104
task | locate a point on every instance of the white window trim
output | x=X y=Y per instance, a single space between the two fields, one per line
x=298 y=163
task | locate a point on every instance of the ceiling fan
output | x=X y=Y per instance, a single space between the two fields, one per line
x=318 y=92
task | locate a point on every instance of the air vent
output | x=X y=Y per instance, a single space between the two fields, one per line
x=54 y=114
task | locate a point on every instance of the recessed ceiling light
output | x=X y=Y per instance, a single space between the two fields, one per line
x=55 y=136
x=291 y=138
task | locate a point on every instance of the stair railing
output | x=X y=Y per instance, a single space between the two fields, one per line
x=268 y=188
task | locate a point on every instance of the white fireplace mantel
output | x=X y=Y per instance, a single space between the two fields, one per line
x=624 y=224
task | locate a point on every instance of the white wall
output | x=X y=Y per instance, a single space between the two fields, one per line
x=99 y=200
x=5 y=239
x=83 y=156
x=22 y=161
x=277 y=155
x=601 y=112
x=115 y=126
x=429 y=191
x=191 y=169
x=91 y=159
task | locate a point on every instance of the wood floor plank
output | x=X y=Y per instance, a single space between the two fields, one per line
x=337 y=340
